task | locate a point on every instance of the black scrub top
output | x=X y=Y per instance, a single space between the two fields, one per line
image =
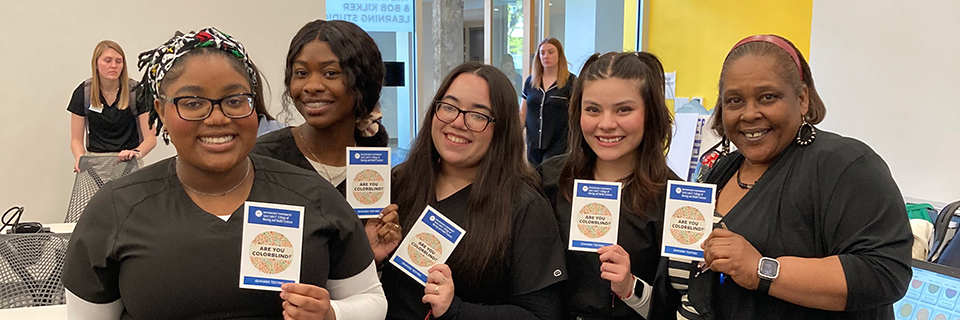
x=535 y=263
x=585 y=293
x=835 y=196
x=280 y=145
x=142 y=239
x=112 y=129
x=547 y=118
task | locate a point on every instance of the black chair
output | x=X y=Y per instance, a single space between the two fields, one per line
x=95 y=171
x=31 y=266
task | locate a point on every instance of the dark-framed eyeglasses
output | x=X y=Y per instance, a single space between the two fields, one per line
x=474 y=121
x=195 y=108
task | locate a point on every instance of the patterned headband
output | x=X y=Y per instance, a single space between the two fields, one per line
x=161 y=59
x=775 y=40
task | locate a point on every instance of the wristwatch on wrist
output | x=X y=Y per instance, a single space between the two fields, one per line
x=767 y=270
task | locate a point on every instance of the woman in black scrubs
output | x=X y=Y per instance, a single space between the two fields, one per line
x=621 y=127
x=164 y=242
x=546 y=97
x=333 y=76
x=816 y=224
x=467 y=162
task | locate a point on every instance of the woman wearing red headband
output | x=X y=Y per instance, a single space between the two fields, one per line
x=812 y=224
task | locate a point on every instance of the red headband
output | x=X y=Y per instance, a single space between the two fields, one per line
x=775 y=40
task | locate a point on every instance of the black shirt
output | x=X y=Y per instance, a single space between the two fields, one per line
x=585 y=293
x=547 y=118
x=281 y=145
x=536 y=266
x=835 y=196
x=141 y=238
x=111 y=130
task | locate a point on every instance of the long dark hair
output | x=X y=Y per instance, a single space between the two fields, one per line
x=787 y=69
x=651 y=171
x=482 y=255
x=360 y=59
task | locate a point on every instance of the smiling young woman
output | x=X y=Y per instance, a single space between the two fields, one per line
x=468 y=164
x=170 y=234
x=619 y=128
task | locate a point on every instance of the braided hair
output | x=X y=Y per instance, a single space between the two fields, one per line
x=162 y=64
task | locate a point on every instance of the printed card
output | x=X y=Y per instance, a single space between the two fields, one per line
x=272 y=245
x=595 y=215
x=430 y=242
x=687 y=219
x=368 y=180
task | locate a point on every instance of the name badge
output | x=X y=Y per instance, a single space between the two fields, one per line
x=95 y=109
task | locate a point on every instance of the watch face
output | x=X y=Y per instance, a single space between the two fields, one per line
x=769 y=267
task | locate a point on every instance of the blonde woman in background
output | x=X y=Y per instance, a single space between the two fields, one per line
x=103 y=112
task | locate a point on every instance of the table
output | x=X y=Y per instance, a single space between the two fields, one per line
x=55 y=227
x=35 y=313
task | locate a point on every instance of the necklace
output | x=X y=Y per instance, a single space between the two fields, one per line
x=322 y=166
x=224 y=194
x=742 y=185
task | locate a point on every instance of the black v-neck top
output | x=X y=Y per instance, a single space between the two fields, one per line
x=834 y=197
x=142 y=239
x=280 y=145
x=535 y=265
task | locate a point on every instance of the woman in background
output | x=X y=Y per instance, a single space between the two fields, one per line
x=103 y=111
x=546 y=97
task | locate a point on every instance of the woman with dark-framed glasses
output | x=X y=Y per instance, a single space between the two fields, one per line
x=165 y=242
x=468 y=164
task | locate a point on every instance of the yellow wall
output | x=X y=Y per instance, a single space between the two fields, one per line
x=692 y=37
x=630 y=25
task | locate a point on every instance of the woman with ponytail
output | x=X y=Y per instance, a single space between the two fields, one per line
x=619 y=129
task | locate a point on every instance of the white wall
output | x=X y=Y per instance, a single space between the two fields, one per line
x=45 y=51
x=889 y=73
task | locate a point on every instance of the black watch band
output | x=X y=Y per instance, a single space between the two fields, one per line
x=764 y=286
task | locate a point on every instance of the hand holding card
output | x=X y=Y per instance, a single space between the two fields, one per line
x=430 y=242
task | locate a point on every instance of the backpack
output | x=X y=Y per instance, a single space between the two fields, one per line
x=944 y=228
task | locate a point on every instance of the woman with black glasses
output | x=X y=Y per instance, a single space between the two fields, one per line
x=467 y=163
x=165 y=242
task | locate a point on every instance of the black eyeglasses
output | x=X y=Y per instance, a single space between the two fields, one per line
x=474 y=121
x=195 y=108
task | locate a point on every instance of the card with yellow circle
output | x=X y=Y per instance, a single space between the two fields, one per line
x=595 y=215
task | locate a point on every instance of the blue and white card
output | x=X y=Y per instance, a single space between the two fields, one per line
x=687 y=219
x=272 y=245
x=594 y=215
x=429 y=242
x=368 y=180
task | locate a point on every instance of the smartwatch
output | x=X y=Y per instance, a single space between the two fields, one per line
x=767 y=270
